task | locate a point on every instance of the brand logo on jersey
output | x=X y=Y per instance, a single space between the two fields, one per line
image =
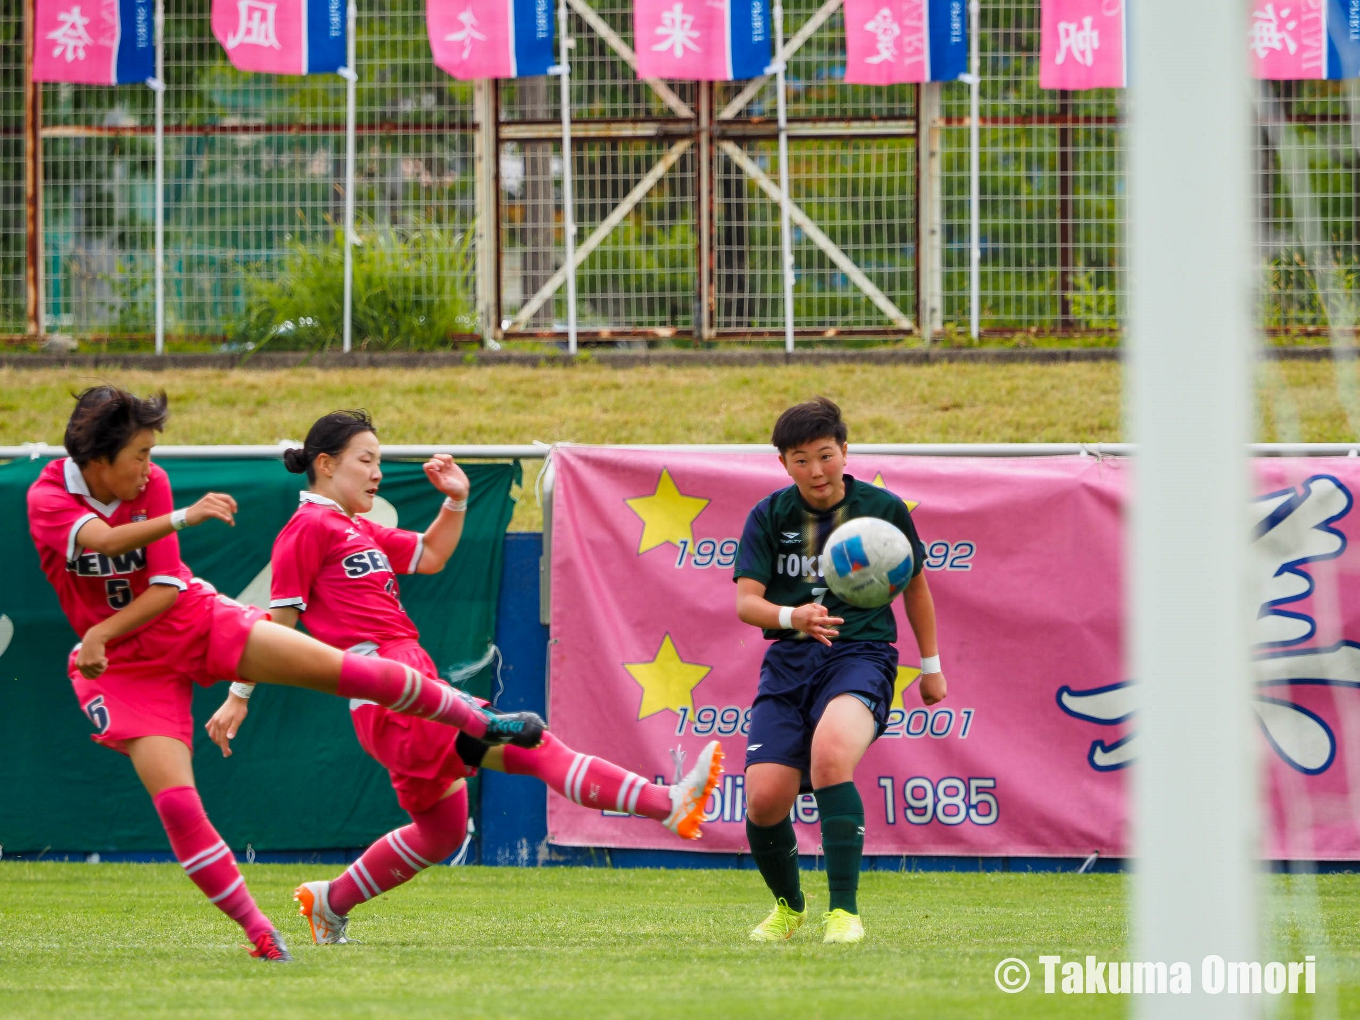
x=139 y=516
x=93 y=564
x=370 y=561
x=352 y=533
x=791 y=537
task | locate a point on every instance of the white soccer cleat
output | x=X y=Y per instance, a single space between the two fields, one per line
x=689 y=796
x=328 y=927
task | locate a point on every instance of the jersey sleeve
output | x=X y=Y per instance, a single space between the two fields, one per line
x=755 y=553
x=900 y=516
x=163 y=563
x=296 y=559
x=402 y=548
x=55 y=517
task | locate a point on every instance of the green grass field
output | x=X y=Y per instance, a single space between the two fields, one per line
x=111 y=941
x=1299 y=401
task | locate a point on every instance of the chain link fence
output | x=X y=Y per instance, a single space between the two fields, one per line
x=678 y=229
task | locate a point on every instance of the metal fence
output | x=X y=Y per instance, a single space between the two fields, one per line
x=459 y=189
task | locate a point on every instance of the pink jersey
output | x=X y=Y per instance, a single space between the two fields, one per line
x=90 y=586
x=340 y=573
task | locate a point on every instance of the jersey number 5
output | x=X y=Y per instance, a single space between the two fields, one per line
x=119 y=592
x=99 y=715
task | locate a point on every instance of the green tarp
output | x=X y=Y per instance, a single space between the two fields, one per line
x=298 y=779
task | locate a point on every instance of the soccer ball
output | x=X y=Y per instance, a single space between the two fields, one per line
x=867 y=562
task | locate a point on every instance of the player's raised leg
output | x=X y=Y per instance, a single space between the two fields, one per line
x=843 y=734
x=598 y=783
x=434 y=834
x=279 y=655
x=164 y=766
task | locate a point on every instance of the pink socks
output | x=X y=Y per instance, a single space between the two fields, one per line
x=207 y=860
x=403 y=853
x=402 y=689
x=589 y=781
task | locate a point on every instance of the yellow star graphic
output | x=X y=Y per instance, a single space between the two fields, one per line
x=667 y=515
x=912 y=504
x=906 y=676
x=667 y=681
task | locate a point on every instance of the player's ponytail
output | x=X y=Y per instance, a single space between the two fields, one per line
x=330 y=434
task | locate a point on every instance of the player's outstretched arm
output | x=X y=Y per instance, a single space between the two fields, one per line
x=920 y=606
x=813 y=619
x=157 y=599
x=441 y=537
x=98 y=537
x=226 y=722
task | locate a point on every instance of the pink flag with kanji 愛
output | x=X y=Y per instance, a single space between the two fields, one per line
x=1082 y=44
x=891 y=42
x=1288 y=40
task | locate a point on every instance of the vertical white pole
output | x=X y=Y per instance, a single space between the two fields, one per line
x=785 y=229
x=974 y=168
x=568 y=204
x=351 y=75
x=158 y=87
x=1191 y=347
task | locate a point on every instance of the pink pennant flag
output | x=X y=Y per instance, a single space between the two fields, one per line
x=94 y=42
x=885 y=42
x=701 y=40
x=1082 y=44
x=260 y=35
x=470 y=43
x=1288 y=40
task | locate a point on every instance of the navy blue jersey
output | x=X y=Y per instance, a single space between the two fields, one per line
x=781 y=547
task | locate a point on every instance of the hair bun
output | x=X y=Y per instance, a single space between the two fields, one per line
x=295 y=460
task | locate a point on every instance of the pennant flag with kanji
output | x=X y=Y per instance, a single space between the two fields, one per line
x=94 y=42
x=701 y=40
x=888 y=43
x=283 y=36
x=504 y=39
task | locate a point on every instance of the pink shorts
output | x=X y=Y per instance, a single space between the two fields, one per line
x=147 y=689
x=419 y=755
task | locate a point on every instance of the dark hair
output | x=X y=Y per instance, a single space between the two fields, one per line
x=330 y=434
x=802 y=423
x=107 y=418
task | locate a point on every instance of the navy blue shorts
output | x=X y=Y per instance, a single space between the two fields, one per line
x=798 y=679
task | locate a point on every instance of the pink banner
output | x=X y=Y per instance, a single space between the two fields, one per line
x=1024 y=557
x=886 y=43
x=681 y=39
x=1082 y=44
x=267 y=36
x=471 y=45
x=1288 y=40
x=75 y=42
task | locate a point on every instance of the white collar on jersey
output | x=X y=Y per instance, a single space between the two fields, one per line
x=75 y=484
x=311 y=497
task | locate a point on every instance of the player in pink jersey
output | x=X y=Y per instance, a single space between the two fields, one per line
x=338 y=570
x=105 y=526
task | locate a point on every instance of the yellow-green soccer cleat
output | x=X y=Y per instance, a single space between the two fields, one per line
x=842 y=926
x=781 y=924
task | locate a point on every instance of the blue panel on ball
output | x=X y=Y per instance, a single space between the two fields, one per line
x=849 y=556
x=899 y=574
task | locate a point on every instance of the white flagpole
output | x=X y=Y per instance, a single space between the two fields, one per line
x=157 y=85
x=351 y=76
x=974 y=168
x=563 y=70
x=785 y=230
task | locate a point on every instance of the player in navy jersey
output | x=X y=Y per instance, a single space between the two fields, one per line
x=827 y=679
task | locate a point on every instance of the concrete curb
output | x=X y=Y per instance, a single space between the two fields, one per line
x=276 y=360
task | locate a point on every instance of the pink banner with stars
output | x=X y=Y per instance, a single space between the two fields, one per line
x=1026 y=756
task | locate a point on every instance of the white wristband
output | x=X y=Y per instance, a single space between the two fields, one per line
x=179 y=518
x=458 y=506
x=786 y=617
x=243 y=691
x=930 y=664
